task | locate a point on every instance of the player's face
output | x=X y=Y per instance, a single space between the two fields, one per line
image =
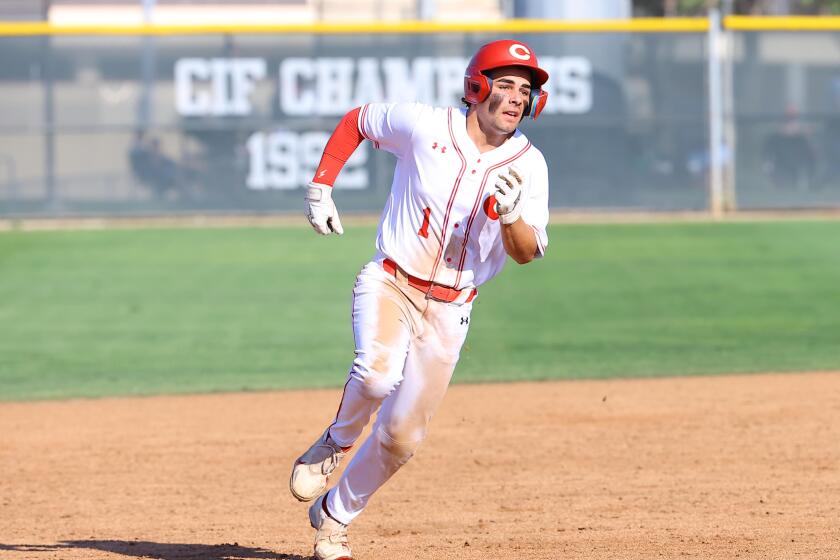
x=503 y=108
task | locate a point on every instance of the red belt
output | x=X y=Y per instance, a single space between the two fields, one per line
x=433 y=291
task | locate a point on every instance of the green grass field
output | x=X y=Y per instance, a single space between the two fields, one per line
x=162 y=311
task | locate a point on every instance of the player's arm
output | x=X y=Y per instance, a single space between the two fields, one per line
x=518 y=237
x=320 y=208
x=520 y=241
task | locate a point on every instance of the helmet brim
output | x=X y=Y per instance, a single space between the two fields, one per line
x=538 y=76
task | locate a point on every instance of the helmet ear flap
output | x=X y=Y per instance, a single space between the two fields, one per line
x=537 y=102
x=477 y=88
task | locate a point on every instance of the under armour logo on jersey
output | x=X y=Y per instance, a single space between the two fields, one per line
x=442 y=147
x=465 y=320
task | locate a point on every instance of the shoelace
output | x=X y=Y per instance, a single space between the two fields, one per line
x=330 y=464
x=339 y=535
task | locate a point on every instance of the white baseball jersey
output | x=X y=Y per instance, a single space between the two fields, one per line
x=439 y=222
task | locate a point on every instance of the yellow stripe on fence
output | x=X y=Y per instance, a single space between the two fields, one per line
x=635 y=25
x=782 y=23
x=639 y=25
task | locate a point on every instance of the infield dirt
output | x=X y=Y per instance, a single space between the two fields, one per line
x=703 y=467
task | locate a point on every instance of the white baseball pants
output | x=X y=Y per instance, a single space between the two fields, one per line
x=406 y=350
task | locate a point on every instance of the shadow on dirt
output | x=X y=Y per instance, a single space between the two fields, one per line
x=161 y=551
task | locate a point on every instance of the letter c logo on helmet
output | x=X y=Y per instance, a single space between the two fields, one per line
x=498 y=54
x=520 y=51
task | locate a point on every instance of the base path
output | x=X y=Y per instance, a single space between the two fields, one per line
x=702 y=467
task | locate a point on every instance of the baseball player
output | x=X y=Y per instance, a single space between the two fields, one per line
x=469 y=190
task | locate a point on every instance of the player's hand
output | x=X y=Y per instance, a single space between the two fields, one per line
x=509 y=187
x=321 y=211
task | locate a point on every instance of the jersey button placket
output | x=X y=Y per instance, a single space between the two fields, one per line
x=455 y=226
x=476 y=170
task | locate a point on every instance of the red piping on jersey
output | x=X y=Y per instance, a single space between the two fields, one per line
x=451 y=196
x=342 y=143
x=362 y=127
x=364 y=111
x=477 y=204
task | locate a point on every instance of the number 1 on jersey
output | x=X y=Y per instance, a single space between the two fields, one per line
x=424 y=229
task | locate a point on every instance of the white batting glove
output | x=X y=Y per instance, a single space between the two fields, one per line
x=509 y=187
x=321 y=211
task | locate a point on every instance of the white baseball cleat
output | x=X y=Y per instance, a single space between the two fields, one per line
x=313 y=468
x=331 y=539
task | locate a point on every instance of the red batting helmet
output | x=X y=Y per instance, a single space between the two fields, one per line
x=477 y=85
